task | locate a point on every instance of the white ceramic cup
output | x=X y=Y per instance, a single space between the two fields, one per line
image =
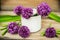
x=33 y=23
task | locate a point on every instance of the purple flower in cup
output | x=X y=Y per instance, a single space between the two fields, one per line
x=27 y=13
x=18 y=10
x=43 y=9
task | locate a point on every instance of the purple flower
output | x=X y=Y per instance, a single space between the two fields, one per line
x=24 y=31
x=50 y=32
x=18 y=10
x=43 y=9
x=27 y=12
x=13 y=28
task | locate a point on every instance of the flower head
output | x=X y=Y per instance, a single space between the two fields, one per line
x=13 y=28
x=27 y=13
x=18 y=10
x=24 y=31
x=50 y=32
x=43 y=9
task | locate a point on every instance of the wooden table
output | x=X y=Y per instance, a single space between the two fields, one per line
x=34 y=36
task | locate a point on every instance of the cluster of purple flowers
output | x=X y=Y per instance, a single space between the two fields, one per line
x=25 y=12
x=50 y=32
x=13 y=28
x=23 y=31
x=43 y=9
x=18 y=10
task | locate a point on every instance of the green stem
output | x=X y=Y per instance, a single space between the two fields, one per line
x=58 y=32
x=8 y=18
x=54 y=17
x=35 y=15
x=3 y=28
x=43 y=33
x=4 y=32
x=50 y=24
x=20 y=23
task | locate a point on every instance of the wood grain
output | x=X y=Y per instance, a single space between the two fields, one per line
x=34 y=36
x=10 y=4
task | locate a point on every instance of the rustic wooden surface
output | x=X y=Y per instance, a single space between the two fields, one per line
x=34 y=36
x=10 y=4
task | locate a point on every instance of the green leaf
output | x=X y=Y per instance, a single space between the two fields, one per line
x=35 y=14
x=54 y=17
x=42 y=33
x=4 y=32
x=9 y=18
x=3 y=28
x=58 y=32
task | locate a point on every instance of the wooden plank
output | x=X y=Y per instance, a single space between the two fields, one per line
x=10 y=4
x=37 y=35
